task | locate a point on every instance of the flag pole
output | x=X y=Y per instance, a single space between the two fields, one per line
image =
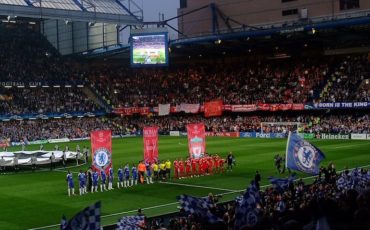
x=286 y=151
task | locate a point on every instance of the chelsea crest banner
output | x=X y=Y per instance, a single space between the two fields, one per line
x=196 y=140
x=101 y=148
x=302 y=155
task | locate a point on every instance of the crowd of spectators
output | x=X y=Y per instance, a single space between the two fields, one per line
x=234 y=84
x=81 y=127
x=45 y=100
x=27 y=56
x=31 y=130
x=344 y=82
x=321 y=205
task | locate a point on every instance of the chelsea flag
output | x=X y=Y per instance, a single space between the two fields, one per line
x=302 y=156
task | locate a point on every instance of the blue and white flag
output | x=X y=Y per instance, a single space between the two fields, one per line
x=198 y=206
x=131 y=223
x=63 y=223
x=246 y=212
x=87 y=219
x=302 y=156
x=282 y=183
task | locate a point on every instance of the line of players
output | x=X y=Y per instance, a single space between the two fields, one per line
x=91 y=180
x=206 y=165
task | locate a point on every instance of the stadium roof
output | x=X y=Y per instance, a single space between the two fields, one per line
x=107 y=11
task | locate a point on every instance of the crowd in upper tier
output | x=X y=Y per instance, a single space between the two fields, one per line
x=45 y=100
x=31 y=130
x=26 y=56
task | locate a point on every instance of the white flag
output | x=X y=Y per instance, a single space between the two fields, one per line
x=163 y=109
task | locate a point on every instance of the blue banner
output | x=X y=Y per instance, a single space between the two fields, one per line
x=262 y=135
x=302 y=155
x=338 y=105
x=34 y=116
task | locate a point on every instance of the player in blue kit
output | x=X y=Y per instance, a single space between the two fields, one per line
x=102 y=181
x=133 y=175
x=71 y=185
x=81 y=180
x=95 y=180
x=126 y=173
x=110 y=178
x=120 y=177
x=148 y=174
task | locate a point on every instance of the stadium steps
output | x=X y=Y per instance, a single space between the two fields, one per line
x=94 y=96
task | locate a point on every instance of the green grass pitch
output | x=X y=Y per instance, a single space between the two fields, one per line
x=30 y=200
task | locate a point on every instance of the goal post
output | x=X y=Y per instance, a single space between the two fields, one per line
x=284 y=127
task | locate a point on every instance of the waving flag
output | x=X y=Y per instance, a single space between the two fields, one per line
x=198 y=206
x=282 y=183
x=131 y=223
x=302 y=156
x=87 y=219
x=246 y=212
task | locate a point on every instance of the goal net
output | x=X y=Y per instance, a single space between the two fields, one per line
x=281 y=127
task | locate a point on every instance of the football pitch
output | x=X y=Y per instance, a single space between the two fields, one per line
x=32 y=200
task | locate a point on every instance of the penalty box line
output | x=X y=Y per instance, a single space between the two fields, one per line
x=168 y=204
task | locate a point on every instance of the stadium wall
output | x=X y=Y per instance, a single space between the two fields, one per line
x=261 y=12
x=75 y=37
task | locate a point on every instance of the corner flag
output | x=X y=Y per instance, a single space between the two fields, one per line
x=302 y=156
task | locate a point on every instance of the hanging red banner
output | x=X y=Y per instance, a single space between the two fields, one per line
x=101 y=149
x=150 y=136
x=196 y=140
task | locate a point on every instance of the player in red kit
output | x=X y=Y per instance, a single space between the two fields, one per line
x=181 y=168
x=194 y=167
x=188 y=168
x=176 y=168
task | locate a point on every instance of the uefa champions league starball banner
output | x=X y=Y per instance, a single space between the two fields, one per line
x=150 y=136
x=101 y=148
x=196 y=140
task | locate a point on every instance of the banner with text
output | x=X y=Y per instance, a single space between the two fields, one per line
x=213 y=108
x=150 y=136
x=196 y=140
x=222 y=134
x=101 y=149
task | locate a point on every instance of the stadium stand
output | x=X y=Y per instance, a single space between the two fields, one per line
x=32 y=130
x=27 y=58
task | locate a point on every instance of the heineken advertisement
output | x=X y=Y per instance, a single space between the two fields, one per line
x=333 y=136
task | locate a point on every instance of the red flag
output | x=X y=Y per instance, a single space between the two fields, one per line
x=101 y=148
x=150 y=144
x=196 y=140
x=213 y=108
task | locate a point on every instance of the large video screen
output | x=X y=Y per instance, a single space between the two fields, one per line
x=149 y=50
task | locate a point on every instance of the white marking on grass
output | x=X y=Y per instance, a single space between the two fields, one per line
x=196 y=186
x=168 y=204
x=347 y=146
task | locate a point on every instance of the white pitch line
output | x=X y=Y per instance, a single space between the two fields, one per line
x=168 y=204
x=197 y=186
